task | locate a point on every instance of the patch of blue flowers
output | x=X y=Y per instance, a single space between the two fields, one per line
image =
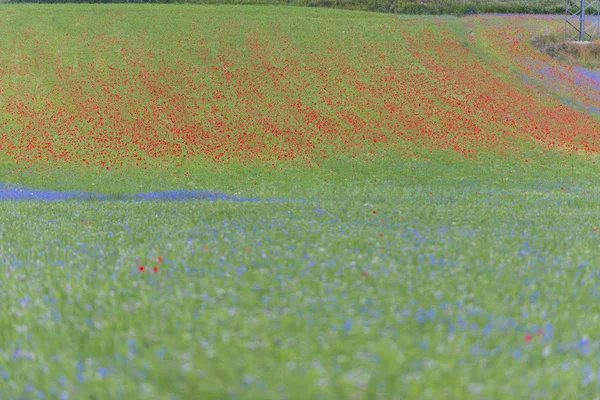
x=13 y=192
x=593 y=75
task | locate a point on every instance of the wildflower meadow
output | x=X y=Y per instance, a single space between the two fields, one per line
x=270 y=202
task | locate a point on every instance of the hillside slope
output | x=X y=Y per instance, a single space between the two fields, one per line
x=101 y=88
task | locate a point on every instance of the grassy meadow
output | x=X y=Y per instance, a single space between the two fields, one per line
x=434 y=232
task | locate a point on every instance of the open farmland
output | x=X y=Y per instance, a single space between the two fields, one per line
x=386 y=207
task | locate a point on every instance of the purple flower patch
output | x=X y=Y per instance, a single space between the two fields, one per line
x=13 y=192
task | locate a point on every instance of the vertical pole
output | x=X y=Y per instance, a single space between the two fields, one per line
x=582 y=22
x=567 y=12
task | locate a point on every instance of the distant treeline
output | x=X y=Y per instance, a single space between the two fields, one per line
x=453 y=7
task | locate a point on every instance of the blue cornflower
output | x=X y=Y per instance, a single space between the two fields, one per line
x=347 y=325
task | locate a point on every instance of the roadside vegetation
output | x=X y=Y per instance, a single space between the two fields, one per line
x=555 y=45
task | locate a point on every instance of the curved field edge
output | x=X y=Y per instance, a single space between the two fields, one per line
x=242 y=99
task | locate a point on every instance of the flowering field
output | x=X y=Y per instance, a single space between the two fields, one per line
x=271 y=202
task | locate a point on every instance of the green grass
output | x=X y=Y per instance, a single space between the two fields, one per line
x=479 y=256
x=385 y=274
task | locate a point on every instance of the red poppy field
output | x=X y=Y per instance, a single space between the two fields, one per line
x=255 y=86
